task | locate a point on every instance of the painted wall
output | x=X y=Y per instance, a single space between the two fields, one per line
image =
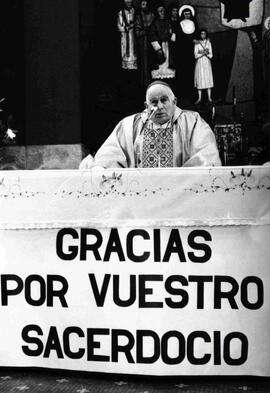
x=230 y=46
x=73 y=80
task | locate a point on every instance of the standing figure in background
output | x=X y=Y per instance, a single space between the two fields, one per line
x=125 y=24
x=203 y=76
x=143 y=20
x=174 y=18
x=174 y=21
x=185 y=39
x=161 y=35
x=266 y=58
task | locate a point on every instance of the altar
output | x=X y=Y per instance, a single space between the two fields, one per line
x=136 y=271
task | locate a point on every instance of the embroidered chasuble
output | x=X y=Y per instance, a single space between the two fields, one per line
x=157 y=146
x=186 y=140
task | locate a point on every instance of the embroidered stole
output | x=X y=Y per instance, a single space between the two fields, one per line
x=157 y=147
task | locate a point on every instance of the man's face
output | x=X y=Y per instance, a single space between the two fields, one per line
x=128 y=3
x=174 y=12
x=162 y=98
x=161 y=12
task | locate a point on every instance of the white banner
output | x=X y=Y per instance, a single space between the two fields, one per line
x=158 y=272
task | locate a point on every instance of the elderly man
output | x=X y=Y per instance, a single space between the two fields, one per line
x=161 y=136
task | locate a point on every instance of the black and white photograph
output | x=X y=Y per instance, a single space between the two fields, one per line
x=135 y=196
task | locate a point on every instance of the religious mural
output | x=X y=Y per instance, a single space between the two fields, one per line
x=213 y=53
x=151 y=33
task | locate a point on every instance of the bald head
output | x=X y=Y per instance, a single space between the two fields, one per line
x=161 y=96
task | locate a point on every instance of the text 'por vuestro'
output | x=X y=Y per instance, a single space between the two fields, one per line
x=140 y=291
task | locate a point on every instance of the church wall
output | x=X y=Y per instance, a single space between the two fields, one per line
x=76 y=91
x=116 y=94
x=238 y=66
x=52 y=84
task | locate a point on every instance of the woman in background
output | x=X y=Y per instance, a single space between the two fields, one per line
x=186 y=33
x=203 y=76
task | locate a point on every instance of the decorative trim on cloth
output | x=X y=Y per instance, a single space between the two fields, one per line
x=157 y=149
x=142 y=197
x=221 y=222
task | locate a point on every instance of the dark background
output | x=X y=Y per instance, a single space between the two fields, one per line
x=61 y=76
